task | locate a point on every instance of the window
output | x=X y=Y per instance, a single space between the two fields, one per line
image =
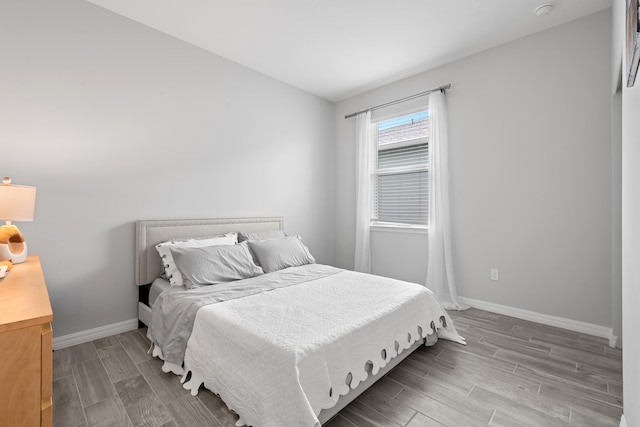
x=400 y=174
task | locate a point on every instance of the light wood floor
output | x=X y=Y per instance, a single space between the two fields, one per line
x=511 y=373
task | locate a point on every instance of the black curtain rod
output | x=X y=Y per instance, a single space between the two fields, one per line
x=397 y=101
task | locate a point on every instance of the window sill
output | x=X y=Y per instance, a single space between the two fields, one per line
x=391 y=228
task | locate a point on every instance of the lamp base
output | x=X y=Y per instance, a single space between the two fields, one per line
x=7 y=252
x=12 y=245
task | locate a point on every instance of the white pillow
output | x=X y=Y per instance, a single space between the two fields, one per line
x=168 y=263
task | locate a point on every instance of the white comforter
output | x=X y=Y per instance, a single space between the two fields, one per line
x=279 y=357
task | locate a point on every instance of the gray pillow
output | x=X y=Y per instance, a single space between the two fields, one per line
x=213 y=265
x=276 y=254
x=171 y=272
x=261 y=235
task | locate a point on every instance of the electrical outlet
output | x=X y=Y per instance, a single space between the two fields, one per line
x=495 y=274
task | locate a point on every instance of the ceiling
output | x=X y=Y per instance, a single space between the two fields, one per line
x=339 y=48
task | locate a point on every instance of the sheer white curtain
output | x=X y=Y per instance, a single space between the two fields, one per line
x=363 y=198
x=440 y=265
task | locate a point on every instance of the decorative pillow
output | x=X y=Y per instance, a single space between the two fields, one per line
x=212 y=265
x=276 y=254
x=164 y=249
x=261 y=235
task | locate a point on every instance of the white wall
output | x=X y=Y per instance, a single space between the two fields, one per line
x=617 y=42
x=631 y=253
x=115 y=122
x=530 y=158
x=630 y=225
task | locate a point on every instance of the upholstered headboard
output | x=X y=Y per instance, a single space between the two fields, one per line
x=151 y=232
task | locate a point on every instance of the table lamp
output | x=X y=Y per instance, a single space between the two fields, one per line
x=17 y=203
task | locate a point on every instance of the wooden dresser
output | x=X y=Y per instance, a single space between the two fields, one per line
x=25 y=347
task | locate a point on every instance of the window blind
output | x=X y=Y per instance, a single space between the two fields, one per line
x=412 y=155
x=403 y=198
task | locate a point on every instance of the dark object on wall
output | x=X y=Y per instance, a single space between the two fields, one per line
x=633 y=41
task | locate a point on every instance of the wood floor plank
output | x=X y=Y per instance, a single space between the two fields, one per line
x=136 y=346
x=609 y=376
x=189 y=411
x=61 y=363
x=520 y=414
x=553 y=339
x=416 y=367
x=531 y=399
x=603 y=361
x=587 y=418
x=503 y=419
x=453 y=382
x=610 y=351
x=583 y=402
x=142 y=405
x=106 y=342
x=362 y=415
x=507 y=333
x=488 y=375
x=525 y=347
x=339 y=421
x=431 y=358
x=167 y=386
x=82 y=353
x=93 y=382
x=117 y=362
x=436 y=391
x=592 y=338
x=555 y=367
x=67 y=407
x=453 y=399
x=464 y=358
x=535 y=329
x=503 y=325
x=445 y=414
x=392 y=409
x=107 y=413
x=473 y=347
x=550 y=381
x=421 y=420
x=388 y=386
x=615 y=389
x=538 y=360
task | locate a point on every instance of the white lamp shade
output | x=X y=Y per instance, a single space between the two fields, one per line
x=17 y=202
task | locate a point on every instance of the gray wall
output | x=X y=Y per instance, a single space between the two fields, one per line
x=531 y=174
x=114 y=122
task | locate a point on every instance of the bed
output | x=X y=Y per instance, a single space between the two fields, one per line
x=292 y=346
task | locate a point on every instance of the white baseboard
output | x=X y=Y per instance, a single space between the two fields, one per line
x=623 y=421
x=545 y=319
x=93 y=334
